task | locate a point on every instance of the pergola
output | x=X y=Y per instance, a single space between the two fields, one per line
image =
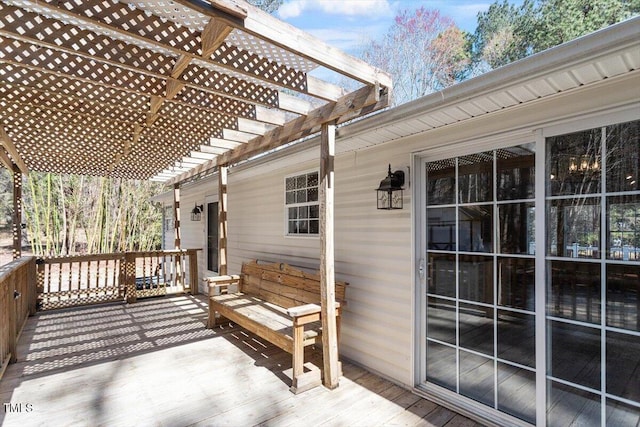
x=170 y=90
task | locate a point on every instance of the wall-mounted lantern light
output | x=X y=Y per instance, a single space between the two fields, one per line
x=390 y=190
x=196 y=213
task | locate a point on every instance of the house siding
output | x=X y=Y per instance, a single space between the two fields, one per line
x=374 y=249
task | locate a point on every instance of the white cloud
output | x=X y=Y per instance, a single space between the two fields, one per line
x=294 y=8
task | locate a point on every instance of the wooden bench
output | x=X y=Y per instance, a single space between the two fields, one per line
x=278 y=303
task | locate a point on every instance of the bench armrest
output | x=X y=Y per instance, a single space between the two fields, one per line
x=303 y=314
x=221 y=284
x=303 y=310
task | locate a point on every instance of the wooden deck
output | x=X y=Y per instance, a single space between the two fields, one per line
x=154 y=363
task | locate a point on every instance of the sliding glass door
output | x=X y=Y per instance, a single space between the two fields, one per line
x=565 y=349
x=480 y=276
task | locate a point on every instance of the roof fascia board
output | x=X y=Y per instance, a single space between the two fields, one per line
x=604 y=42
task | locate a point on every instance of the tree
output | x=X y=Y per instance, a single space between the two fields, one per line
x=503 y=33
x=269 y=6
x=424 y=52
x=506 y=33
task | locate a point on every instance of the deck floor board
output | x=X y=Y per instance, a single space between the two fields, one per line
x=154 y=363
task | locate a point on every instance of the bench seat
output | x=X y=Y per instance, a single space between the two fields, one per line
x=278 y=303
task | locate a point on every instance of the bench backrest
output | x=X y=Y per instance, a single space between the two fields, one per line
x=284 y=285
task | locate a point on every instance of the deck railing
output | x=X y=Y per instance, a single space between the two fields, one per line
x=90 y=279
x=17 y=302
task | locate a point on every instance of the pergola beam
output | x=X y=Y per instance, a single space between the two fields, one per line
x=349 y=104
x=266 y=27
x=8 y=145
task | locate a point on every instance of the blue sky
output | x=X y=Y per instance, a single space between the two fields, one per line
x=346 y=24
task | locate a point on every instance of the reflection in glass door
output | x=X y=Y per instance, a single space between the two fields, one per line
x=593 y=276
x=480 y=253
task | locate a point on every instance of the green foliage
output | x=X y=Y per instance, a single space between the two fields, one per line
x=506 y=33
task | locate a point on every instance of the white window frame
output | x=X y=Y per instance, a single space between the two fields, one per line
x=287 y=206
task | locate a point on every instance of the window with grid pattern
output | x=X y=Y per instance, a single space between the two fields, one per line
x=301 y=205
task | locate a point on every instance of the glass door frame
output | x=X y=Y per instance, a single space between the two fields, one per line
x=208 y=200
x=419 y=161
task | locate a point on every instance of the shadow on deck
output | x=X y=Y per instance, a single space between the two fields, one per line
x=154 y=363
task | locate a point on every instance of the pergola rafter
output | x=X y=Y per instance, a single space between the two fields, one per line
x=160 y=79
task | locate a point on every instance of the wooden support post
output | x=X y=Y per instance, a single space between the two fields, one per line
x=222 y=220
x=194 y=282
x=17 y=212
x=178 y=236
x=130 y=276
x=327 y=269
x=176 y=214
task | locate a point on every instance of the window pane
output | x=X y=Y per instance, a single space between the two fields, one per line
x=290 y=184
x=476 y=328
x=517 y=392
x=623 y=228
x=442 y=274
x=441 y=182
x=293 y=227
x=303 y=212
x=291 y=197
x=623 y=296
x=569 y=406
x=574 y=228
x=441 y=320
x=621 y=414
x=475 y=178
x=301 y=196
x=517 y=337
x=293 y=213
x=441 y=365
x=301 y=181
x=516 y=283
x=312 y=179
x=476 y=278
x=574 y=291
x=441 y=229
x=312 y=194
x=476 y=377
x=517 y=230
x=574 y=353
x=303 y=227
x=476 y=228
x=314 y=211
x=573 y=163
x=623 y=157
x=516 y=172
x=623 y=365
x=314 y=227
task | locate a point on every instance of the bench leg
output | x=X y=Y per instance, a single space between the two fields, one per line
x=302 y=381
x=211 y=321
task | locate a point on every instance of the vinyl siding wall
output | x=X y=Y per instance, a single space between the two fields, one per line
x=374 y=249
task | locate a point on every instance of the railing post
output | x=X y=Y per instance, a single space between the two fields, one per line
x=13 y=336
x=17 y=212
x=32 y=284
x=39 y=282
x=193 y=271
x=130 y=277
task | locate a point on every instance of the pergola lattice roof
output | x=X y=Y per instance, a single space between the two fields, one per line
x=163 y=90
